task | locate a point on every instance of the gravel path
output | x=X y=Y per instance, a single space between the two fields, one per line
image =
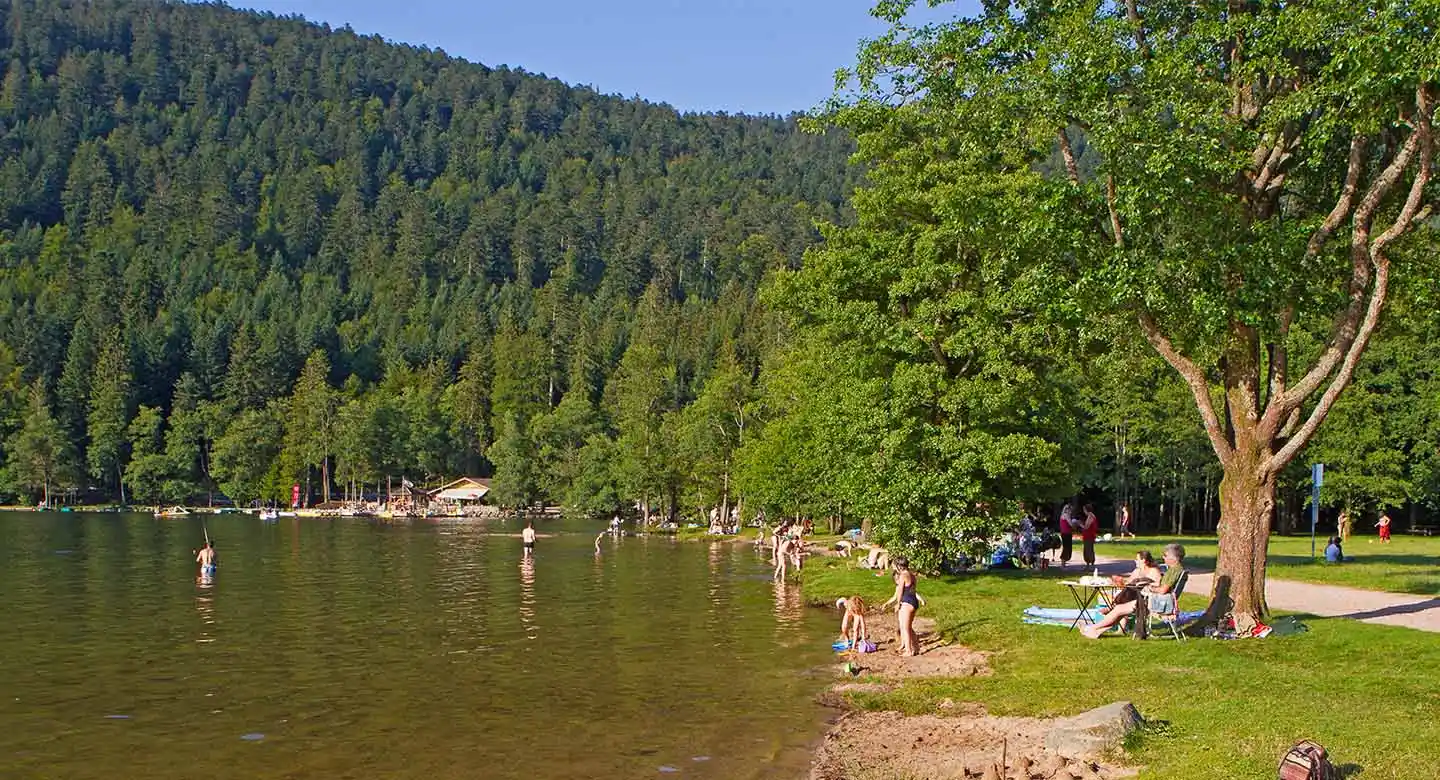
x=1391 y=609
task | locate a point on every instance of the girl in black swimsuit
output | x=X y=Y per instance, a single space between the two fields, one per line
x=906 y=601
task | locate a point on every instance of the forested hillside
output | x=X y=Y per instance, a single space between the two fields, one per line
x=239 y=252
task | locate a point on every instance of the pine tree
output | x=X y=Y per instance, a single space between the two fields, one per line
x=39 y=455
x=109 y=417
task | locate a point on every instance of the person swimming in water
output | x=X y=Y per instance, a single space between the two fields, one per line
x=527 y=539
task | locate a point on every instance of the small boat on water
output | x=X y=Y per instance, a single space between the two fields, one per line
x=269 y=514
x=174 y=511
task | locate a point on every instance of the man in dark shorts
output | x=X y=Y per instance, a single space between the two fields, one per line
x=527 y=538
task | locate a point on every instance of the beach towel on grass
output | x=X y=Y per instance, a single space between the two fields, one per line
x=1046 y=616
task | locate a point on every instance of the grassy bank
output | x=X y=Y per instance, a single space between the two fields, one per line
x=1219 y=710
x=1408 y=564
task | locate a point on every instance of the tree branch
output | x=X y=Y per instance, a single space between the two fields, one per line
x=1194 y=377
x=1343 y=332
x=1420 y=140
x=1279 y=368
x=1346 y=201
x=1114 y=213
x=1302 y=435
x=1411 y=211
x=1072 y=168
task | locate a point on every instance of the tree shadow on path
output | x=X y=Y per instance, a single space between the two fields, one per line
x=1398 y=609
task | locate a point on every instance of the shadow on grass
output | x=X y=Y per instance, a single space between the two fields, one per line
x=950 y=633
x=1402 y=561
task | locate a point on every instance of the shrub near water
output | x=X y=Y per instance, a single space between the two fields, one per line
x=1218 y=710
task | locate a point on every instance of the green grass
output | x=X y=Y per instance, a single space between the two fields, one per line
x=1218 y=710
x=1408 y=564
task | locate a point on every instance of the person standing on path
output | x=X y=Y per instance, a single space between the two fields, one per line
x=1067 y=533
x=1384 y=526
x=1089 y=529
x=1125 y=529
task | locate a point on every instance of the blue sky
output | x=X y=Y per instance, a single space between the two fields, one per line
x=751 y=56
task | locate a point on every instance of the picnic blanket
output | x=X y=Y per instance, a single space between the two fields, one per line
x=1047 y=616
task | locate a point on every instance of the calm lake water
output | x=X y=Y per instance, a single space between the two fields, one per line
x=349 y=649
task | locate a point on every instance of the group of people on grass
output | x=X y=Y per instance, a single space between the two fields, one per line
x=1149 y=581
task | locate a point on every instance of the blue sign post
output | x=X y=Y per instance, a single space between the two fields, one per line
x=1317 y=478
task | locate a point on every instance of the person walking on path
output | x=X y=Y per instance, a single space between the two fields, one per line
x=1089 y=529
x=1384 y=526
x=1067 y=533
x=1125 y=529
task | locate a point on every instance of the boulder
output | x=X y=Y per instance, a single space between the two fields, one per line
x=1092 y=733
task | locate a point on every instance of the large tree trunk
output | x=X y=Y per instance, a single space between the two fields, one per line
x=1247 y=503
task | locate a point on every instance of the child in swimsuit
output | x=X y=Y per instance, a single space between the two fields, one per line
x=852 y=626
x=906 y=602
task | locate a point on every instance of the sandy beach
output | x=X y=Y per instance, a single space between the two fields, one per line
x=960 y=740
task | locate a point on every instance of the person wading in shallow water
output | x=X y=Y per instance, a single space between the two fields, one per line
x=784 y=551
x=527 y=539
x=906 y=602
x=206 y=557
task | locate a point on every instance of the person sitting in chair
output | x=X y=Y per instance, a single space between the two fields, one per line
x=1146 y=573
x=1159 y=595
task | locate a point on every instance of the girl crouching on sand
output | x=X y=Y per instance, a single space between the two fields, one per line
x=852 y=626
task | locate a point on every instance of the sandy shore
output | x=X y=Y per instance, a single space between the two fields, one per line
x=960 y=740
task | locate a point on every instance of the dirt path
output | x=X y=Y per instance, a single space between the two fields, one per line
x=1391 y=609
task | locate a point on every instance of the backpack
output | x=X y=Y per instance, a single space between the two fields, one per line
x=1307 y=761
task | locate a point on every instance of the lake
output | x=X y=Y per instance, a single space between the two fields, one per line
x=349 y=648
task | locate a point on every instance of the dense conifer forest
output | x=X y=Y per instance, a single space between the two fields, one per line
x=241 y=252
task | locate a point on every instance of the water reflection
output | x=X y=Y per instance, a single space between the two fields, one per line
x=527 y=596
x=789 y=606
